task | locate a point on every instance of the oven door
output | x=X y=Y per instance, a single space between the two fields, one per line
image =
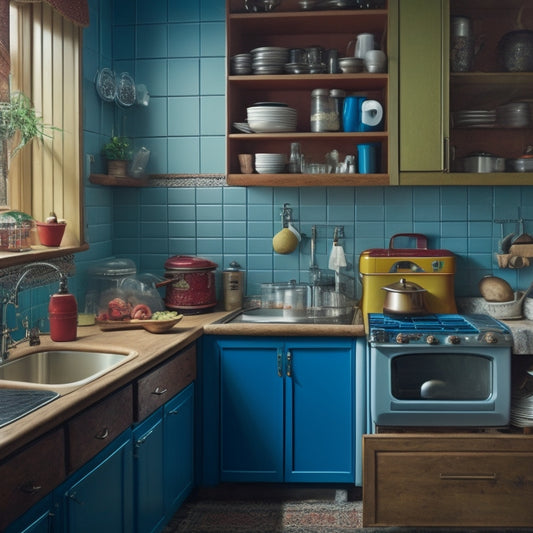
x=440 y=386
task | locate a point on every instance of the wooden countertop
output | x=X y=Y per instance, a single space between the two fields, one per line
x=152 y=349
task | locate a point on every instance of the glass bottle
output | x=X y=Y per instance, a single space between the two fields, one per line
x=295 y=159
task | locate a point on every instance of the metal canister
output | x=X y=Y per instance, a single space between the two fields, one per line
x=232 y=282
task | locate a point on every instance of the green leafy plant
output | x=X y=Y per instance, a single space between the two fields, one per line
x=118 y=148
x=18 y=116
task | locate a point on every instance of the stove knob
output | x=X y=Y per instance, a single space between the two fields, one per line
x=453 y=339
x=402 y=339
x=490 y=338
x=431 y=339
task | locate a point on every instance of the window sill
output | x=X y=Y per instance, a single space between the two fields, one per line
x=38 y=253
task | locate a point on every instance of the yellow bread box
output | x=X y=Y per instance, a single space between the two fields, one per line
x=434 y=270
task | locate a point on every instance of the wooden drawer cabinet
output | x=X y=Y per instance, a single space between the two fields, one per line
x=161 y=384
x=29 y=475
x=93 y=429
x=440 y=480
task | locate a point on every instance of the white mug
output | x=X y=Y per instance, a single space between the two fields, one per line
x=364 y=43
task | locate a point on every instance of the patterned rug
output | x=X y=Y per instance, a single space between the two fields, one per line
x=266 y=517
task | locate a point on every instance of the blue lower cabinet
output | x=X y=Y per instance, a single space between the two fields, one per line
x=287 y=409
x=99 y=497
x=41 y=518
x=178 y=475
x=164 y=461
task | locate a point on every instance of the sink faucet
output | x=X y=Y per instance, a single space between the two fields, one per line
x=12 y=298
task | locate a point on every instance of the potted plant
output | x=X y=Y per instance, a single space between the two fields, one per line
x=19 y=123
x=118 y=153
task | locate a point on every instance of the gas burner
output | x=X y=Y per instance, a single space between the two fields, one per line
x=437 y=329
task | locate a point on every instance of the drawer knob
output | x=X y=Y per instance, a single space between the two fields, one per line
x=159 y=391
x=102 y=435
x=30 y=488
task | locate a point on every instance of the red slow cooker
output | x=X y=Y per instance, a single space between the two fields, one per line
x=190 y=288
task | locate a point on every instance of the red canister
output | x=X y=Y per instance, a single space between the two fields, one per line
x=63 y=316
x=191 y=287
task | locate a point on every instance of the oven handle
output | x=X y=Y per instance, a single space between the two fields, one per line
x=452 y=477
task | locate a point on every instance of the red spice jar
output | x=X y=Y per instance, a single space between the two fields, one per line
x=191 y=287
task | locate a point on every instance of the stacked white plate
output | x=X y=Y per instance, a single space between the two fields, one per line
x=270 y=163
x=522 y=405
x=271 y=117
x=474 y=118
x=241 y=64
x=269 y=60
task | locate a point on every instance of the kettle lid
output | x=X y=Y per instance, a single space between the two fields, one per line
x=404 y=286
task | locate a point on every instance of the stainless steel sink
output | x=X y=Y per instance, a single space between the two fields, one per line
x=60 y=370
x=311 y=315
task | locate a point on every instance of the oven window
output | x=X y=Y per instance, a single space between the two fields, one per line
x=451 y=377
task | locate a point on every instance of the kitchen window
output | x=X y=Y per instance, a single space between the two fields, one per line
x=46 y=65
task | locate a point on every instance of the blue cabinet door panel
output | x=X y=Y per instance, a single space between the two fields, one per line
x=251 y=406
x=320 y=413
x=179 y=449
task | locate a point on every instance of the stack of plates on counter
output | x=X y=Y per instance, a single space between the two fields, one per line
x=522 y=405
x=269 y=60
x=271 y=117
x=241 y=64
x=474 y=118
x=270 y=163
x=514 y=115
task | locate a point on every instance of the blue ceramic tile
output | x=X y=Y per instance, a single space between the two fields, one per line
x=209 y=246
x=183 y=77
x=182 y=195
x=153 y=213
x=212 y=115
x=212 y=39
x=258 y=261
x=154 y=196
x=212 y=10
x=259 y=245
x=122 y=11
x=181 y=213
x=182 y=246
x=153 y=74
x=184 y=155
x=260 y=213
x=213 y=155
x=260 y=195
x=314 y=213
x=123 y=42
x=152 y=41
x=151 y=12
x=209 y=229
x=235 y=212
x=151 y=121
x=234 y=195
x=153 y=245
x=341 y=195
x=154 y=229
x=212 y=75
x=183 y=40
x=183 y=116
x=235 y=229
x=182 y=229
x=209 y=195
x=260 y=229
x=209 y=213
x=184 y=11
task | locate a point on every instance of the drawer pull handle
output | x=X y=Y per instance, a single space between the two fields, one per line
x=470 y=477
x=30 y=488
x=289 y=364
x=159 y=391
x=103 y=435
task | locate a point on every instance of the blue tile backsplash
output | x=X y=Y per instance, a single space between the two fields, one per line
x=177 y=50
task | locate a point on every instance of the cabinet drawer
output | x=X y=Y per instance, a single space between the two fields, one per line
x=30 y=474
x=96 y=427
x=460 y=486
x=165 y=381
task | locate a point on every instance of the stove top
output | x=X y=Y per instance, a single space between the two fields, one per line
x=438 y=329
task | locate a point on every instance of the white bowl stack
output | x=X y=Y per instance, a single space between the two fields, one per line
x=271 y=117
x=270 y=163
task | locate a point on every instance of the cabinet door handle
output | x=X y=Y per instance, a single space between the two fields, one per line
x=159 y=391
x=103 y=434
x=289 y=364
x=74 y=497
x=30 y=488
x=470 y=477
x=447 y=155
x=142 y=439
x=280 y=364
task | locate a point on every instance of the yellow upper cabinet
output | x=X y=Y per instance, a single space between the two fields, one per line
x=449 y=114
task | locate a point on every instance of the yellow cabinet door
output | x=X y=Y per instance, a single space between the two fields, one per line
x=423 y=94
